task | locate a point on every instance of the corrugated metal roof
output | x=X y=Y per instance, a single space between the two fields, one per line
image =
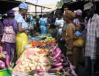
x=6 y=5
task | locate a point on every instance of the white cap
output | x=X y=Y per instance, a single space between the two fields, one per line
x=88 y=6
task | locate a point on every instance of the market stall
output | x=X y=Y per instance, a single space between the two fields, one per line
x=43 y=57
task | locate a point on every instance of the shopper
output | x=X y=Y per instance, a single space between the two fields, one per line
x=9 y=32
x=92 y=34
x=21 y=37
x=78 y=44
x=59 y=24
x=70 y=29
x=78 y=19
x=78 y=48
x=43 y=22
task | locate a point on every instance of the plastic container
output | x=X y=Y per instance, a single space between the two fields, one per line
x=5 y=72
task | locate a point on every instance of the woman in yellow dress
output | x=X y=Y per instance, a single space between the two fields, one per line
x=23 y=28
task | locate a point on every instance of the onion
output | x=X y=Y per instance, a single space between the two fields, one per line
x=69 y=71
x=52 y=71
x=56 y=64
x=41 y=73
x=7 y=61
x=58 y=53
x=4 y=52
x=1 y=49
x=2 y=64
x=59 y=67
x=39 y=70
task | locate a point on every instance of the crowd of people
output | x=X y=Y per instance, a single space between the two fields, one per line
x=76 y=33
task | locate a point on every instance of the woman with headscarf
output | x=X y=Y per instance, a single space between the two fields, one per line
x=77 y=50
x=21 y=37
x=78 y=18
x=9 y=32
x=69 y=34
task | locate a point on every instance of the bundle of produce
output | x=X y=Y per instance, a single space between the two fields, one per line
x=49 y=40
x=33 y=61
x=37 y=72
x=4 y=60
x=59 y=63
x=41 y=36
x=35 y=43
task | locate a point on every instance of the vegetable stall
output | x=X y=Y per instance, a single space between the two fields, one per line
x=43 y=57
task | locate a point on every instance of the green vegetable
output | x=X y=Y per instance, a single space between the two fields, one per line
x=35 y=74
x=27 y=46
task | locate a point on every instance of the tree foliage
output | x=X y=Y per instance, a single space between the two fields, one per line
x=61 y=2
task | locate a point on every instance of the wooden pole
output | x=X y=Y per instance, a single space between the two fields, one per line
x=41 y=10
x=35 y=10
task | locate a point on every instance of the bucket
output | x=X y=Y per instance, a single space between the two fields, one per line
x=5 y=72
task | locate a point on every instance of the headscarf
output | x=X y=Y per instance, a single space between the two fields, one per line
x=77 y=22
x=69 y=13
x=78 y=12
x=23 y=5
x=10 y=13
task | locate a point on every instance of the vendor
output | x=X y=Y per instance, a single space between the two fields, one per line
x=21 y=37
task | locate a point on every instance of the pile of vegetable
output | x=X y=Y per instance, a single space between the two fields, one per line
x=37 y=60
x=4 y=59
x=41 y=43
x=59 y=63
x=35 y=43
x=37 y=72
x=46 y=57
x=49 y=40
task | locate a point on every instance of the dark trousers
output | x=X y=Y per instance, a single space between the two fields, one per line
x=11 y=50
x=89 y=67
x=61 y=44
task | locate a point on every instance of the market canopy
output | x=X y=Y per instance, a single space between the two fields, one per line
x=5 y=5
x=78 y=5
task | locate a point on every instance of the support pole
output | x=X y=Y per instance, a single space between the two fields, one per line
x=41 y=10
x=35 y=10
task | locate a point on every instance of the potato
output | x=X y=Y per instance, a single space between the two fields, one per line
x=32 y=68
x=18 y=69
x=21 y=70
x=38 y=63
x=26 y=65
x=26 y=60
x=20 y=66
x=43 y=64
x=41 y=61
x=38 y=67
x=35 y=64
x=23 y=63
x=27 y=68
x=31 y=57
x=44 y=68
x=31 y=65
